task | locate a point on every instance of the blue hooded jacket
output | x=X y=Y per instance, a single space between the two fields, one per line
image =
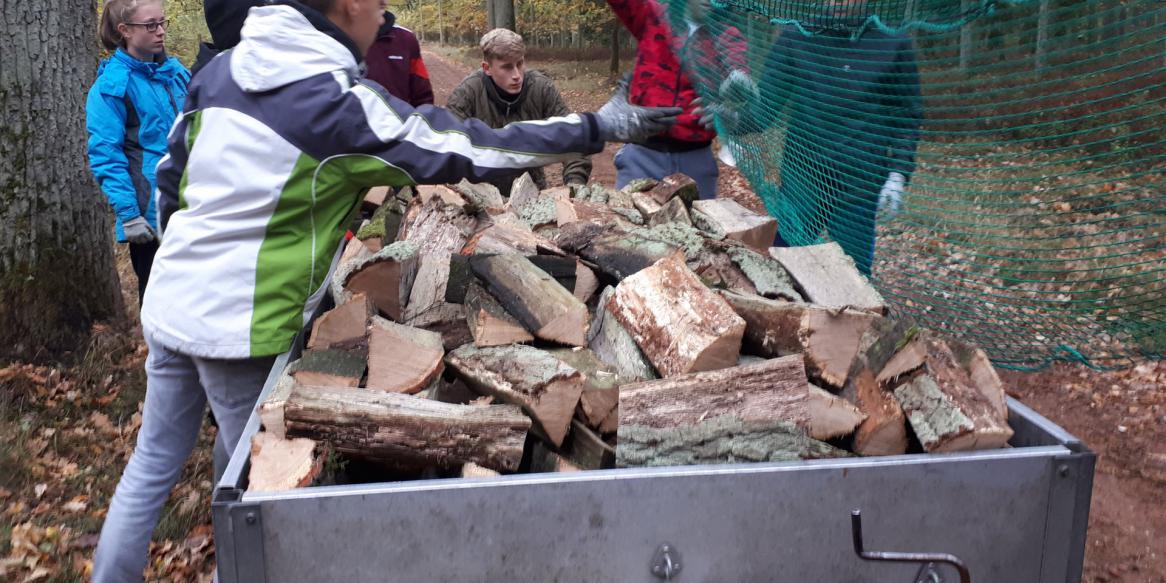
x=129 y=112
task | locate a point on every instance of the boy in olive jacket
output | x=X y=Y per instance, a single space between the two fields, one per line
x=504 y=92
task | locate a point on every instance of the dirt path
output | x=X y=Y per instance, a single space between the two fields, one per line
x=1120 y=415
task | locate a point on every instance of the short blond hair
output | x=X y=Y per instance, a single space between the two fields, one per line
x=501 y=43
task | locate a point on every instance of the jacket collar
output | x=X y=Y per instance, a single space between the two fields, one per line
x=501 y=100
x=387 y=28
x=162 y=67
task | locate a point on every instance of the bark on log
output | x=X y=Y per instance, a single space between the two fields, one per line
x=719 y=440
x=545 y=387
x=407 y=431
x=338 y=368
x=546 y=308
x=449 y=196
x=278 y=465
x=402 y=359
x=948 y=412
x=489 y=323
x=386 y=277
x=507 y=234
x=344 y=327
x=884 y=431
x=614 y=345
x=680 y=324
x=271 y=409
x=768 y=277
x=772 y=391
x=827 y=276
x=725 y=217
x=586 y=449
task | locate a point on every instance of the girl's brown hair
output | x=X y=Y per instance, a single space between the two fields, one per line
x=117 y=12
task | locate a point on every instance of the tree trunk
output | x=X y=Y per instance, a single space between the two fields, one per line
x=615 y=28
x=504 y=16
x=1042 y=36
x=967 y=40
x=56 y=270
x=491 y=16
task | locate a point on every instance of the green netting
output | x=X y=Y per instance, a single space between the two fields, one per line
x=1030 y=137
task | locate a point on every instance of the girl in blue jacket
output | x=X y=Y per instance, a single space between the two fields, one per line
x=138 y=93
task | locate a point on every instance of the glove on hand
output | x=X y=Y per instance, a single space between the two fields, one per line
x=137 y=230
x=620 y=121
x=891 y=196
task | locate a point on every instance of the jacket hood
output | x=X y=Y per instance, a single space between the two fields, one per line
x=387 y=27
x=286 y=43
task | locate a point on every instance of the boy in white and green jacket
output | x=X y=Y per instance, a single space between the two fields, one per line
x=277 y=143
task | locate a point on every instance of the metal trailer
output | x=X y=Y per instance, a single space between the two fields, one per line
x=1015 y=515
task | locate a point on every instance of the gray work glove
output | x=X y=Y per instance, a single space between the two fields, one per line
x=137 y=230
x=620 y=121
x=891 y=196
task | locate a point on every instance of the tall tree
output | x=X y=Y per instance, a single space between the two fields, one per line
x=56 y=265
x=504 y=16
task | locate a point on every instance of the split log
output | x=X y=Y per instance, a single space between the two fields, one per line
x=472 y=470
x=680 y=324
x=827 y=276
x=613 y=345
x=673 y=211
x=569 y=211
x=884 y=431
x=441 y=230
x=386 y=277
x=522 y=191
x=344 y=327
x=947 y=412
x=620 y=255
x=507 y=234
x=483 y=196
x=546 y=308
x=544 y=386
x=384 y=224
x=489 y=323
x=271 y=409
x=675 y=186
x=542 y=211
x=982 y=374
x=725 y=217
x=646 y=204
x=278 y=464
x=909 y=357
x=448 y=320
x=405 y=431
x=586 y=284
x=771 y=391
x=460 y=278
x=457 y=393
x=601 y=394
x=338 y=368
x=429 y=286
x=829 y=339
x=402 y=359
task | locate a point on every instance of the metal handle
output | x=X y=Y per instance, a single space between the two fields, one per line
x=856 y=532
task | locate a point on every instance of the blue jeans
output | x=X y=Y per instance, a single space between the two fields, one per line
x=178 y=388
x=632 y=162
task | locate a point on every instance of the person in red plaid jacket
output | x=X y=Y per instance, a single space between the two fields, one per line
x=667 y=61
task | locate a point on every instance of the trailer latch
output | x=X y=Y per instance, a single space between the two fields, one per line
x=666 y=562
x=927 y=572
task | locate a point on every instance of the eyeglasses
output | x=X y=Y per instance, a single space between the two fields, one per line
x=151 y=26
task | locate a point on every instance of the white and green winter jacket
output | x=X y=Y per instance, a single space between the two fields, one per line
x=278 y=141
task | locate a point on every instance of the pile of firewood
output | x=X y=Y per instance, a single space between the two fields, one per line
x=583 y=328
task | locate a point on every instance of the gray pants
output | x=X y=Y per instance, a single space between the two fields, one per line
x=178 y=388
x=632 y=162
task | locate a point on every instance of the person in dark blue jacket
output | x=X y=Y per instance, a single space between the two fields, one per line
x=138 y=93
x=853 y=109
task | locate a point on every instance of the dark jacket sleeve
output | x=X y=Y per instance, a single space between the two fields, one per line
x=577 y=169
x=908 y=105
x=420 y=89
